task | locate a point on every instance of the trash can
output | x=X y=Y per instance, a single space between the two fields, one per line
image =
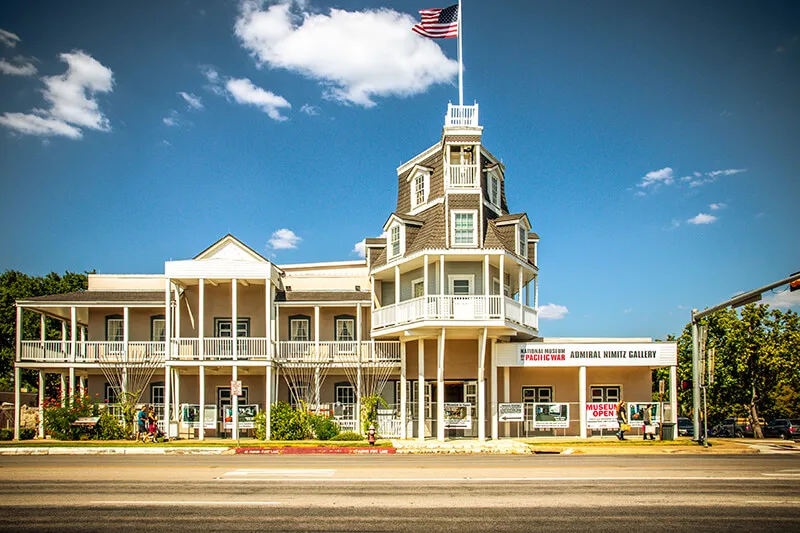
x=668 y=431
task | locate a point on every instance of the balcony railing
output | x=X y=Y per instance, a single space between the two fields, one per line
x=457 y=308
x=213 y=349
x=338 y=352
x=463 y=176
x=461 y=115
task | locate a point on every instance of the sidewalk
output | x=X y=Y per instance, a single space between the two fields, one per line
x=410 y=446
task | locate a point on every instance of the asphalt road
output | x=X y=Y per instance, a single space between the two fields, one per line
x=400 y=493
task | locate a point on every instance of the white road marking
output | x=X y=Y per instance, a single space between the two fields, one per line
x=272 y=473
x=793 y=502
x=185 y=502
x=492 y=479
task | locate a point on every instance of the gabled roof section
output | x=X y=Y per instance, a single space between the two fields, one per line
x=405 y=219
x=512 y=219
x=419 y=157
x=232 y=249
x=417 y=167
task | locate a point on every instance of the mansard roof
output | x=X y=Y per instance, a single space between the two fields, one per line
x=322 y=296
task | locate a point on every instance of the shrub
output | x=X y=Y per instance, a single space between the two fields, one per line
x=26 y=434
x=288 y=423
x=260 y=421
x=6 y=434
x=109 y=428
x=324 y=428
x=348 y=435
x=58 y=418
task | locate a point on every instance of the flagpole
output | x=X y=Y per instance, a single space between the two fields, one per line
x=460 y=63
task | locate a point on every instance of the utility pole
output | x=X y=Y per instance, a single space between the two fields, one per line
x=737 y=301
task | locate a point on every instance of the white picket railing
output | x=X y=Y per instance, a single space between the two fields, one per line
x=459 y=308
x=461 y=115
x=338 y=351
x=463 y=176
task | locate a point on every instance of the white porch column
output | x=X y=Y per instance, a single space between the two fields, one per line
x=440 y=386
x=421 y=389
x=519 y=287
x=71 y=387
x=167 y=324
x=403 y=393
x=317 y=355
x=493 y=387
x=502 y=287
x=582 y=400
x=482 y=382
x=268 y=316
x=673 y=394
x=235 y=321
x=536 y=292
x=17 y=395
x=63 y=388
x=167 y=397
x=73 y=333
x=82 y=385
x=42 y=382
x=425 y=289
x=126 y=329
x=201 y=433
x=201 y=323
x=397 y=285
x=507 y=396
x=487 y=287
x=442 y=282
x=42 y=327
x=63 y=337
x=234 y=405
x=268 y=402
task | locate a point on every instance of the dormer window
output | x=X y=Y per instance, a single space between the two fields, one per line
x=394 y=241
x=493 y=186
x=465 y=228
x=420 y=188
x=522 y=241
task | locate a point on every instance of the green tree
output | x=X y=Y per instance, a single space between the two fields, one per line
x=14 y=286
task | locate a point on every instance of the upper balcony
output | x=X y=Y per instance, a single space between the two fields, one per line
x=461 y=116
x=210 y=349
x=459 y=309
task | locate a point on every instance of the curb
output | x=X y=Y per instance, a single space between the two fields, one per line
x=315 y=450
x=113 y=451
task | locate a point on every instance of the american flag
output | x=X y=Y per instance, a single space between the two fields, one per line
x=438 y=23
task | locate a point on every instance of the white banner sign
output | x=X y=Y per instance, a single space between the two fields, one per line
x=545 y=355
x=247 y=415
x=636 y=414
x=511 y=412
x=550 y=415
x=601 y=416
x=190 y=416
x=458 y=416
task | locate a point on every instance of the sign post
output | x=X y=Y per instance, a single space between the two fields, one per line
x=236 y=391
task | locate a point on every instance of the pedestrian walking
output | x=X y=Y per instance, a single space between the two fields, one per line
x=622 y=419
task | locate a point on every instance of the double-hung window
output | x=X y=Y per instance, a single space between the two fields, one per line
x=537 y=394
x=522 y=240
x=417 y=288
x=115 y=328
x=299 y=327
x=345 y=328
x=394 y=241
x=605 y=393
x=464 y=228
x=493 y=186
x=158 y=327
x=419 y=192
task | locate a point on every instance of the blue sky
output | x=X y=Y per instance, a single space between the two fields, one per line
x=654 y=145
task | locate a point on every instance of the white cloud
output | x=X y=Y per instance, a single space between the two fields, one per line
x=702 y=218
x=355 y=55
x=783 y=300
x=244 y=92
x=29 y=124
x=23 y=67
x=552 y=312
x=284 y=239
x=726 y=172
x=657 y=178
x=627 y=311
x=309 y=109
x=710 y=177
x=193 y=101
x=717 y=206
x=171 y=119
x=360 y=248
x=9 y=39
x=72 y=99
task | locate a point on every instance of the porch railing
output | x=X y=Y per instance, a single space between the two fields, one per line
x=338 y=351
x=461 y=115
x=459 y=308
x=463 y=176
